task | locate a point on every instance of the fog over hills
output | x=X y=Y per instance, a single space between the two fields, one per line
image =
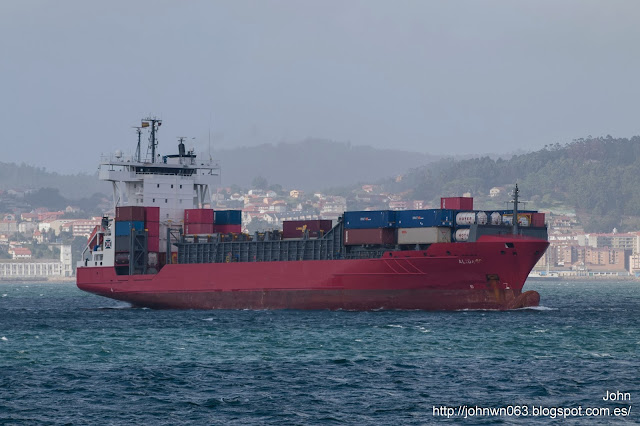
x=315 y=164
x=312 y=164
x=598 y=177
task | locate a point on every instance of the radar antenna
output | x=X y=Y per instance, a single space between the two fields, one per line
x=181 y=149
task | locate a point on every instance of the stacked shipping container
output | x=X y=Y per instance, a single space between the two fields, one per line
x=407 y=227
x=127 y=219
x=227 y=221
x=198 y=221
x=369 y=227
x=140 y=219
x=207 y=221
x=152 y=225
x=424 y=226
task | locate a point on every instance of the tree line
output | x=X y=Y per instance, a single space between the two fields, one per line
x=598 y=177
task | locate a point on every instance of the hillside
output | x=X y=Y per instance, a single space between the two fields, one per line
x=314 y=164
x=72 y=186
x=598 y=177
x=308 y=165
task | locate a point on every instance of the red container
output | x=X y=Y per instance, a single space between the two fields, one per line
x=198 y=228
x=356 y=237
x=296 y=228
x=537 y=219
x=153 y=229
x=152 y=214
x=226 y=229
x=202 y=216
x=153 y=244
x=130 y=213
x=456 y=203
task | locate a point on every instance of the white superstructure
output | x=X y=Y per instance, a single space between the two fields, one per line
x=171 y=182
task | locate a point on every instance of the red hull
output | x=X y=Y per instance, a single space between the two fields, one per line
x=488 y=274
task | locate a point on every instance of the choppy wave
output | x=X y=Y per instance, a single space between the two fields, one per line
x=69 y=357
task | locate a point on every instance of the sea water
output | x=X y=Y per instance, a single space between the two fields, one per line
x=69 y=357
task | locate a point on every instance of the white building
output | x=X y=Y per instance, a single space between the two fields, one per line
x=27 y=227
x=38 y=269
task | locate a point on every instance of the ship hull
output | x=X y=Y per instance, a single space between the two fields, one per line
x=487 y=274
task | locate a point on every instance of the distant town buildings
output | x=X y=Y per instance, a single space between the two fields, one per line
x=21 y=267
x=572 y=252
x=20 y=253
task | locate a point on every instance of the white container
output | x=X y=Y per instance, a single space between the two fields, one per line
x=481 y=218
x=465 y=218
x=462 y=234
x=424 y=235
x=496 y=218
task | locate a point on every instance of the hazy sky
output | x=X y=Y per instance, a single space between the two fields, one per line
x=442 y=77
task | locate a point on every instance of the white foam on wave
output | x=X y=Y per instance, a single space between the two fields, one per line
x=465 y=310
x=601 y=355
x=540 y=331
x=208 y=319
x=118 y=305
x=4 y=338
x=395 y=326
x=538 y=308
x=4 y=295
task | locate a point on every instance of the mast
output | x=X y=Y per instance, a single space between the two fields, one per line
x=155 y=123
x=181 y=149
x=515 y=210
x=136 y=180
x=139 y=131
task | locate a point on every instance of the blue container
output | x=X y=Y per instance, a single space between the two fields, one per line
x=425 y=218
x=123 y=228
x=370 y=219
x=227 y=217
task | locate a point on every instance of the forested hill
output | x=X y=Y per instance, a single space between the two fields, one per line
x=310 y=165
x=599 y=177
x=314 y=164
x=23 y=177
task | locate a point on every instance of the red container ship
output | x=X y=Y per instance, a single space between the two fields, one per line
x=164 y=267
